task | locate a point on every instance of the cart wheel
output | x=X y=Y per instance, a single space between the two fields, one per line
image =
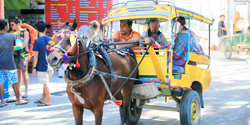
x=134 y=113
x=228 y=50
x=190 y=107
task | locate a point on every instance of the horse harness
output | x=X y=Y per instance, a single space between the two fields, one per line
x=71 y=65
x=92 y=72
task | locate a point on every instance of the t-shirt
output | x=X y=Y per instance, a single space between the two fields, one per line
x=235 y=25
x=40 y=46
x=221 y=32
x=133 y=36
x=7 y=42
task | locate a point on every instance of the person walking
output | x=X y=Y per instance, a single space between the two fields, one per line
x=237 y=18
x=8 y=71
x=22 y=59
x=221 y=30
x=41 y=67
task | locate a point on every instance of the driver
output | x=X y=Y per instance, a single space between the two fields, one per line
x=127 y=34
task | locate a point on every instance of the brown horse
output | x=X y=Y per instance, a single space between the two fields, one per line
x=95 y=92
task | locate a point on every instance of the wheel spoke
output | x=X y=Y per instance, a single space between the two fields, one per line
x=133 y=108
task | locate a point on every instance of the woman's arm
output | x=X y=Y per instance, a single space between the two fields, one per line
x=26 y=39
x=199 y=36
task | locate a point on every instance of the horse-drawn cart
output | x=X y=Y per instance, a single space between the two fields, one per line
x=235 y=44
x=92 y=79
x=162 y=79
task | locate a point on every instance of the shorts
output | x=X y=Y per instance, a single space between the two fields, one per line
x=220 y=40
x=23 y=63
x=45 y=77
x=10 y=75
x=238 y=32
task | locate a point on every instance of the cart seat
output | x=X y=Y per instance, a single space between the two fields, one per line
x=178 y=70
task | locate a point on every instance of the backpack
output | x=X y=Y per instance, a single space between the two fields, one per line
x=33 y=36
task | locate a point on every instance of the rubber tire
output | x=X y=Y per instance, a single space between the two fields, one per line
x=228 y=47
x=185 y=107
x=132 y=119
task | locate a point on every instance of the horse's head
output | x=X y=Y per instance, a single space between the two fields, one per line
x=63 y=43
x=94 y=27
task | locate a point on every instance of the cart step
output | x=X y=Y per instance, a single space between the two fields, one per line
x=145 y=91
x=160 y=108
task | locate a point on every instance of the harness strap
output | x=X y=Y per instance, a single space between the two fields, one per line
x=61 y=49
x=86 y=79
x=79 y=55
x=107 y=75
x=107 y=59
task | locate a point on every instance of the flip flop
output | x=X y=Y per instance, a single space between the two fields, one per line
x=43 y=104
x=1 y=106
x=10 y=100
x=24 y=103
x=38 y=101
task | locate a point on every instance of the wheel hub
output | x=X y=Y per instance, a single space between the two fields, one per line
x=194 y=111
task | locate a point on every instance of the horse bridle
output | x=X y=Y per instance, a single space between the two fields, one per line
x=67 y=59
x=59 y=34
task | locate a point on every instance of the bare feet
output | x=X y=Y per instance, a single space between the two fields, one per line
x=25 y=95
x=12 y=94
x=3 y=104
x=21 y=102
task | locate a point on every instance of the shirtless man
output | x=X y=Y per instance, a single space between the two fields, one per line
x=21 y=60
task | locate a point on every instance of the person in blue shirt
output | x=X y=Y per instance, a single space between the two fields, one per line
x=41 y=67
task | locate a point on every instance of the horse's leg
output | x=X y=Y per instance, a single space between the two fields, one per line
x=78 y=114
x=98 y=112
x=126 y=101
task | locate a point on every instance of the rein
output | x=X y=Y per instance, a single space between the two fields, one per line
x=79 y=55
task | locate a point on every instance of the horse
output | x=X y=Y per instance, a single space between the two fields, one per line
x=95 y=93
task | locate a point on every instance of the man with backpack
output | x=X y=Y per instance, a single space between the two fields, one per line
x=21 y=56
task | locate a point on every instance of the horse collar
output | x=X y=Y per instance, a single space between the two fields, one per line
x=87 y=78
